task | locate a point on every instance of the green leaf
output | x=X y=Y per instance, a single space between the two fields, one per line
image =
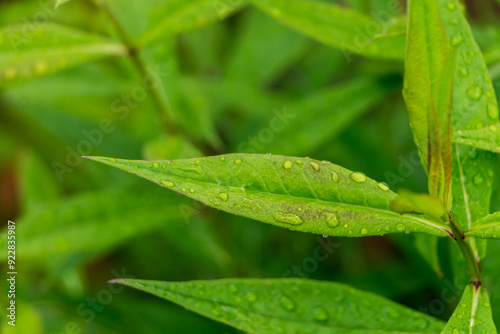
x=92 y=223
x=290 y=306
x=279 y=48
x=60 y=2
x=487 y=138
x=301 y=194
x=473 y=314
x=410 y=202
x=473 y=98
x=167 y=18
x=314 y=120
x=48 y=48
x=339 y=27
x=428 y=92
x=487 y=227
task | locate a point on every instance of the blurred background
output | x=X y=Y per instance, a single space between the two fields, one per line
x=234 y=80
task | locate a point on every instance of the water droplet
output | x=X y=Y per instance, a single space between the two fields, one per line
x=287 y=303
x=456 y=331
x=195 y=169
x=331 y=220
x=325 y=235
x=464 y=72
x=251 y=297
x=475 y=92
x=478 y=178
x=314 y=165
x=287 y=164
x=400 y=227
x=10 y=73
x=335 y=176
x=163 y=166
x=364 y=231
x=191 y=190
x=41 y=67
x=486 y=304
x=299 y=162
x=454 y=22
x=238 y=161
x=358 y=177
x=113 y=160
x=197 y=161
x=383 y=186
x=346 y=225
x=223 y=196
x=156 y=165
x=320 y=314
x=183 y=190
x=492 y=111
x=222 y=159
x=288 y=218
x=167 y=183
x=493 y=128
x=451 y=6
x=456 y=40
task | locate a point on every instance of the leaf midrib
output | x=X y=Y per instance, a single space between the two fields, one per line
x=418 y=219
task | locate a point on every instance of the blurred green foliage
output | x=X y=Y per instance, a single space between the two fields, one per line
x=180 y=79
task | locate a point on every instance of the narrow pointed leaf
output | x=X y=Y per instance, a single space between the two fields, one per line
x=427 y=58
x=440 y=130
x=475 y=106
x=48 y=48
x=472 y=315
x=92 y=223
x=296 y=193
x=316 y=119
x=487 y=138
x=410 y=202
x=339 y=27
x=487 y=227
x=290 y=306
x=166 y=18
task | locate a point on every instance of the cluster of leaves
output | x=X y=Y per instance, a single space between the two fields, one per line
x=143 y=80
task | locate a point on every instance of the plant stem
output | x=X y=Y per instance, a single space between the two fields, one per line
x=167 y=118
x=465 y=246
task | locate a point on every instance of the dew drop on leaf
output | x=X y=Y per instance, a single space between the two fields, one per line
x=492 y=111
x=451 y=6
x=113 y=160
x=320 y=314
x=288 y=218
x=223 y=196
x=314 y=165
x=358 y=177
x=299 y=162
x=331 y=220
x=335 y=176
x=456 y=40
x=400 y=227
x=238 y=161
x=155 y=165
x=474 y=92
x=191 y=190
x=287 y=303
x=383 y=186
x=478 y=179
x=287 y=164
x=41 y=67
x=167 y=183
x=364 y=231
